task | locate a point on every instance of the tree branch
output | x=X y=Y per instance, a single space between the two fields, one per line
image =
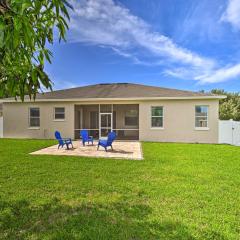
x=4 y=7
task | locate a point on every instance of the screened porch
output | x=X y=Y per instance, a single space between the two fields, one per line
x=99 y=119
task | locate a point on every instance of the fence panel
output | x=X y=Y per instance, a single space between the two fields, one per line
x=229 y=132
x=1 y=127
x=236 y=133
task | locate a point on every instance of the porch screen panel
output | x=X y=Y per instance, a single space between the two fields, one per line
x=129 y=134
x=89 y=117
x=94 y=120
x=105 y=108
x=86 y=117
x=126 y=121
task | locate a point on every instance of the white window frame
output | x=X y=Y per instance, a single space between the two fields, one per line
x=207 y=117
x=29 y=118
x=58 y=119
x=155 y=128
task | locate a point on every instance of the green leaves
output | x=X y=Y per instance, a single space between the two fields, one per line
x=26 y=26
x=230 y=107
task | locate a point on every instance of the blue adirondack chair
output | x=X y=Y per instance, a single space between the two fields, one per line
x=63 y=141
x=85 y=137
x=108 y=142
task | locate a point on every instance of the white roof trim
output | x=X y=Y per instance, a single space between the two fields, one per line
x=116 y=99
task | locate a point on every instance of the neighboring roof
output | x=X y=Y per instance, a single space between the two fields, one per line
x=119 y=91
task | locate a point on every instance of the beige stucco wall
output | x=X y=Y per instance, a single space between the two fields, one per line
x=178 y=122
x=16 y=121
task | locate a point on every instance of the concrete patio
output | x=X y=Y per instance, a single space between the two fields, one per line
x=121 y=150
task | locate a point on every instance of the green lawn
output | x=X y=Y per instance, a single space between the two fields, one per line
x=180 y=191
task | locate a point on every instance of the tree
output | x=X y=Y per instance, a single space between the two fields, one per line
x=229 y=107
x=26 y=27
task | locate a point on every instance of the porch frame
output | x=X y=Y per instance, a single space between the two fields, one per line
x=99 y=118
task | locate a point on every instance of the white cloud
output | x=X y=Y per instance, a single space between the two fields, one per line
x=221 y=75
x=232 y=13
x=183 y=72
x=60 y=84
x=135 y=59
x=105 y=22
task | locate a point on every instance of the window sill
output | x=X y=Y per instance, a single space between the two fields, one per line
x=201 y=128
x=34 y=128
x=59 y=120
x=157 y=128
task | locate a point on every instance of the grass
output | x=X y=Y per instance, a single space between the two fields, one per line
x=180 y=191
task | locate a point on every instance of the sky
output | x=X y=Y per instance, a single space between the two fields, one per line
x=183 y=44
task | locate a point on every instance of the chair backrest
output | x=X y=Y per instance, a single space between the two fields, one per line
x=59 y=138
x=84 y=134
x=111 y=137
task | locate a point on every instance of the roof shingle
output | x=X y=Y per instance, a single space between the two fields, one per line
x=118 y=90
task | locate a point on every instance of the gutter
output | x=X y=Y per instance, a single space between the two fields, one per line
x=117 y=99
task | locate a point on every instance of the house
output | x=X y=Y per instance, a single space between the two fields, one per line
x=134 y=111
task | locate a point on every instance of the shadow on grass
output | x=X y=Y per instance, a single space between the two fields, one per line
x=55 y=220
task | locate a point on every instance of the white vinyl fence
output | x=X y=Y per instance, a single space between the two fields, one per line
x=1 y=127
x=229 y=132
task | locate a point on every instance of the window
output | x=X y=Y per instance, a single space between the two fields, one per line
x=34 y=117
x=201 y=116
x=131 y=118
x=59 y=113
x=157 y=117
